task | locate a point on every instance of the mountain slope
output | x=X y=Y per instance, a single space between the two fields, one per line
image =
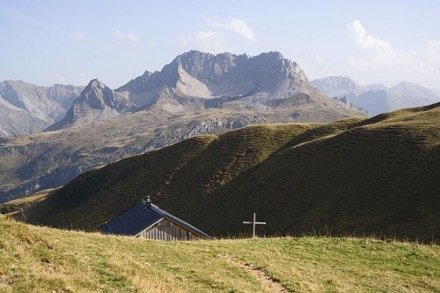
x=353 y=176
x=26 y=108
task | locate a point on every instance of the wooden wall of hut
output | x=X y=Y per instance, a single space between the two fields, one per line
x=168 y=231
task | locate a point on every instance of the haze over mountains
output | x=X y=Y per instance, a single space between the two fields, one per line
x=376 y=98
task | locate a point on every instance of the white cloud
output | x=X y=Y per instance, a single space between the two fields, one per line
x=58 y=79
x=374 y=58
x=123 y=36
x=213 y=35
x=367 y=42
x=77 y=36
x=237 y=26
x=209 y=41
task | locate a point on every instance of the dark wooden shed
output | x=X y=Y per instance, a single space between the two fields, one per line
x=147 y=220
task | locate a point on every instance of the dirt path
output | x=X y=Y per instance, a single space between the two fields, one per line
x=267 y=281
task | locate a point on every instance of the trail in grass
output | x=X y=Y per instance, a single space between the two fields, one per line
x=267 y=281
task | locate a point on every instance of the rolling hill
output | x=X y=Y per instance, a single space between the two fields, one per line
x=350 y=177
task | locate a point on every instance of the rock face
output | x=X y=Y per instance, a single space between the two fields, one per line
x=376 y=99
x=26 y=108
x=220 y=80
x=97 y=102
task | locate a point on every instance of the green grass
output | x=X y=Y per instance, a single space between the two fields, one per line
x=44 y=260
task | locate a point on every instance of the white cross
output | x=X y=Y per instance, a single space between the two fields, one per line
x=254 y=222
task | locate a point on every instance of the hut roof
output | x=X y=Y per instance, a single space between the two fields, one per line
x=140 y=217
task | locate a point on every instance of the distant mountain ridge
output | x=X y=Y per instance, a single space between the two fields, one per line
x=27 y=108
x=376 y=99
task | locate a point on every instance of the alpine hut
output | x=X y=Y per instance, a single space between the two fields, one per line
x=147 y=220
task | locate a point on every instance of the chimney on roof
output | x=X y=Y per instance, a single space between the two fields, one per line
x=147 y=200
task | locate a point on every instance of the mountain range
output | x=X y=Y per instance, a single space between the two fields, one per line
x=196 y=93
x=355 y=177
x=196 y=81
x=376 y=98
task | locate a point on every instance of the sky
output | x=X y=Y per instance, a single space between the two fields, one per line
x=71 y=42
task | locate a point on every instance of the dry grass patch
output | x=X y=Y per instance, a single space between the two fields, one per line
x=44 y=260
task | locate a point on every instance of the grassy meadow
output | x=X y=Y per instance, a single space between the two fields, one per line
x=38 y=259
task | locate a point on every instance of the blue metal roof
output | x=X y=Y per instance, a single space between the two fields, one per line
x=141 y=216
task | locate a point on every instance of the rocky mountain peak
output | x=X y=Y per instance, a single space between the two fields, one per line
x=95 y=94
x=96 y=102
x=95 y=84
x=224 y=76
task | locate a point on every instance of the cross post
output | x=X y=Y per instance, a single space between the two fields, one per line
x=254 y=222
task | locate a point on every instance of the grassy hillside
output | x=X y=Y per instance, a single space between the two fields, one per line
x=35 y=259
x=351 y=177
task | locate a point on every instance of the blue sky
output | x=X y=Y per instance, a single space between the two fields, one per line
x=53 y=41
